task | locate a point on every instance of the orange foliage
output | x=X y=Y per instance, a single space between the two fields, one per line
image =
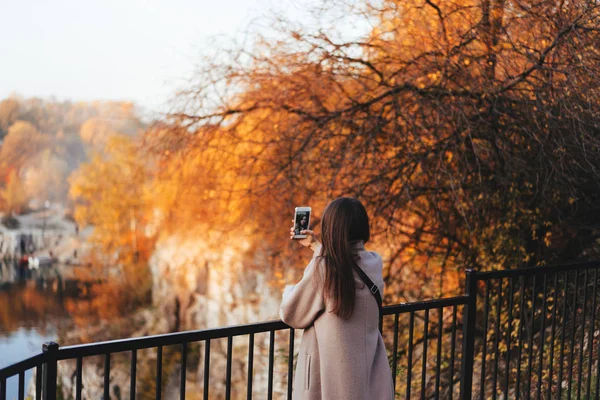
x=436 y=119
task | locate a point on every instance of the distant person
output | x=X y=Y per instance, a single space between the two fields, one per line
x=23 y=245
x=30 y=244
x=338 y=304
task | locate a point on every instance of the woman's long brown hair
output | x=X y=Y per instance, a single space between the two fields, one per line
x=344 y=222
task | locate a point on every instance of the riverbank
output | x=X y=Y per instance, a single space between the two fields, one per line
x=44 y=232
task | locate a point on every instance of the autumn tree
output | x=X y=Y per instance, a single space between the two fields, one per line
x=469 y=128
x=43 y=161
x=45 y=140
x=22 y=142
x=45 y=176
x=96 y=131
x=118 y=118
x=9 y=112
x=13 y=197
x=111 y=195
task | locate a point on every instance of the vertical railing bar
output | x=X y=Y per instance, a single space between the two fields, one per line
x=290 y=364
x=106 y=386
x=542 y=338
x=591 y=335
x=250 y=366
x=424 y=361
x=271 y=362
x=511 y=304
x=50 y=349
x=3 y=389
x=469 y=324
x=38 y=382
x=228 y=368
x=552 y=336
x=452 y=350
x=580 y=367
x=182 y=378
x=597 y=393
x=597 y=379
x=21 y=385
x=520 y=346
x=486 y=312
x=411 y=327
x=78 y=373
x=395 y=352
x=158 y=393
x=133 y=374
x=573 y=327
x=562 y=340
x=531 y=334
x=206 y=368
x=497 y=339
x=438 y=364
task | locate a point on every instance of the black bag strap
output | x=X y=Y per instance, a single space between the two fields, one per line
x=372 y=287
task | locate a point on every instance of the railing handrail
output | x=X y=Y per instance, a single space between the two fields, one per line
x=166 y=339
x=28 y=363
x=175 y=338
x=402 y=308
x=511 y=273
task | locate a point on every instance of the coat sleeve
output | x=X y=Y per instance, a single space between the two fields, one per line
x=302 y=303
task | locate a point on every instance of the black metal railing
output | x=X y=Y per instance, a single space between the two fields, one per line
x=422 y=340
x=514 y=334
x=539 y=336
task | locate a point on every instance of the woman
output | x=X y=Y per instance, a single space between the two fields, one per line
x=342 y=355
x=302 y=225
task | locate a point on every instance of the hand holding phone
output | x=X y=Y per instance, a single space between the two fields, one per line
x=301 y=222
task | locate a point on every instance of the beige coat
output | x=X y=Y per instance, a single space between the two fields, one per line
x=338 y=359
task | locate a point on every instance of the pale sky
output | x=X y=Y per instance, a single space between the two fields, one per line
x=137 y=50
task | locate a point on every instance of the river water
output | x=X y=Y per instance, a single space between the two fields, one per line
x=31 y=309
x=20 y=344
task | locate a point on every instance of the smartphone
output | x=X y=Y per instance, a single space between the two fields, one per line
x=301 y=221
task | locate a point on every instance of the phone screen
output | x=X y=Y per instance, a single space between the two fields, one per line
x=302 y=221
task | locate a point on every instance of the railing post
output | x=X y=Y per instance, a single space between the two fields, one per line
x=51 y=350
x=468 y=348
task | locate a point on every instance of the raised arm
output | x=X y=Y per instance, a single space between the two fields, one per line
x=303 y=302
